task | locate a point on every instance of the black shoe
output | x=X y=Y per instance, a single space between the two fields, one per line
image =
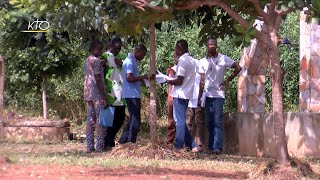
x=216 y=151
x=90 y=151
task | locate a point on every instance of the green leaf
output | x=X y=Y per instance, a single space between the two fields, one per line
x=251 y=22
x=284 y=7
x=252 y=32
x=291 y=4
x=239 y=28
x=238 y=38
x=247 y=38
x=316 y=4
x=299 y=3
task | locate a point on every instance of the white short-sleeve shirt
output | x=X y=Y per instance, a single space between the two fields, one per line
x=186 y=67
x=214 y=69
x=193 y=103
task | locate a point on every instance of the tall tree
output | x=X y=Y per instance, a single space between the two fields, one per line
x=34 y=57
x=1 y=84
x=116 y=15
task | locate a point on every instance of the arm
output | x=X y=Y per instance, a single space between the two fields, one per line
x=100 y=85
x=101 y=88
x=97 y=66
x=131 y=78
x=118 y=61
x=236 y=69
x=201 y=85
x=177 y=81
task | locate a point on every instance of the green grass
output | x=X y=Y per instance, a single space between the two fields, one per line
x=67 y=154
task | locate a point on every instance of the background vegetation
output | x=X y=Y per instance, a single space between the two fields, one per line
x=65 y=92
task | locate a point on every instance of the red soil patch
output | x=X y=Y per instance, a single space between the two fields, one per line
x=14 y=171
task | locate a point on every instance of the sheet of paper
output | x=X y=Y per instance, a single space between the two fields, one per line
x=160 y=78
x=147 y=82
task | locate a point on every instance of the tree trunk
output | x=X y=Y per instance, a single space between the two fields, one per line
x=277 y=75
x=44 y=98
x=1 y=84
x=153 y=94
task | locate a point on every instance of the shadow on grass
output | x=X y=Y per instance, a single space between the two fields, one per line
x=167 y=172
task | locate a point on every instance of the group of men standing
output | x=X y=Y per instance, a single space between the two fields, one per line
x=196 y=92
x=197 y=97
x=121 y=86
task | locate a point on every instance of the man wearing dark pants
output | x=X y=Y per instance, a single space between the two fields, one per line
x=131 y=91
x=181 y=93
x=113 y=87
x=212 y=86
x=118 y=120
x=131 y=130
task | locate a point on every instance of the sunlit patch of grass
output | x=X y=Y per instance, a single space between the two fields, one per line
x=74 y=154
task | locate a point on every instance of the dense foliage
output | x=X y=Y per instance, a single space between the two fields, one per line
x=65 y=94
x=61 y=53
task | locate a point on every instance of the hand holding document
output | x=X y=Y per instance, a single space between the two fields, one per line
x=160 y=78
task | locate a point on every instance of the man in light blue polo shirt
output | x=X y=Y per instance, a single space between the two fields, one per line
x=131 y=91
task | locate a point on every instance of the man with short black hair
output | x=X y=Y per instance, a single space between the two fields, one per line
x=182 y=92
x=113 y=83
x=131 y=91
x=212 y=85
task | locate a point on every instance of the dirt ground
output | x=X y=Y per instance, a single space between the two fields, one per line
x=25 y=170
x=14 y=171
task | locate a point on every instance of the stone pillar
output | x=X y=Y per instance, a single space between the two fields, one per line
x=251 y=81
x=251 y=84
x=309 y=85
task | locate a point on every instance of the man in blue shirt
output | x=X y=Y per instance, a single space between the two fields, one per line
x=131 y=91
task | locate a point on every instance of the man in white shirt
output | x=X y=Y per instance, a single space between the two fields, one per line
x=212 y=85
x=195 y=114
x=182 y=92
x=113 y=82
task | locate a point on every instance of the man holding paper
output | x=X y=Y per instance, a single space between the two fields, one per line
x=131 y=91
x=182 y=92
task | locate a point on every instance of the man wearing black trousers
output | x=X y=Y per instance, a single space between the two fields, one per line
x=113 y=87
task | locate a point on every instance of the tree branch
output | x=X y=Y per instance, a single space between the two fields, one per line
x=290 y=10
x=259 y=9
x=140 y=4
x=278 y=20
x=192 y=4
x=195 y=4
x=233 y=14
x=273 y=5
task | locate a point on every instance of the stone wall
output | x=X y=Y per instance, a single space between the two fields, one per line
x=252 y=134
x=309 y=85
x=35 y=130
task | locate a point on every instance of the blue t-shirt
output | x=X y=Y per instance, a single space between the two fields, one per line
x=130 y=89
